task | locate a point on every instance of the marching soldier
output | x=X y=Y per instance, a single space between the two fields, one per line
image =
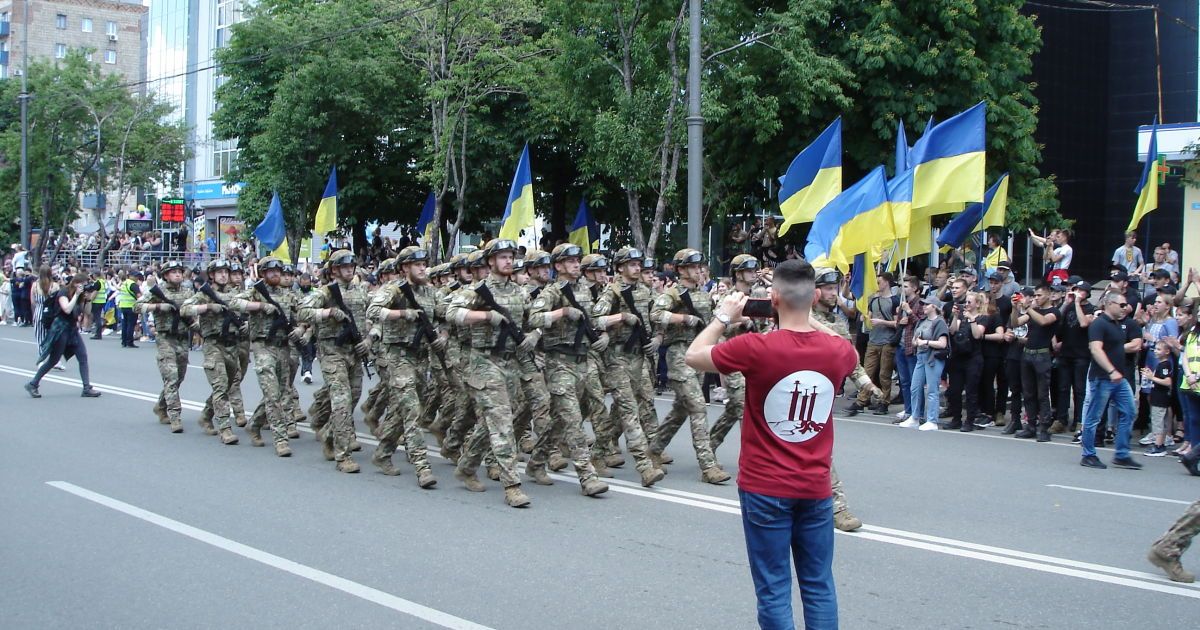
x=377 y=399
x=220 y=328
x=535 y=413
x=682 y=311
x=401 y=315
x=745 y=270
x=295 y=414
x=472 y=269
x=623 y=309
x=604 y=454
x=237 y=279
x=342 y=352
x=173 y=340
x=492 y=312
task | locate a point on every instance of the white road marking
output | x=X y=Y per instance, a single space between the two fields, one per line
x=349 y=587
x=31 y=343
x=999 y=555
x=1120 y=494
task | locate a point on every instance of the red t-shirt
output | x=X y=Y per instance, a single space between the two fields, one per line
x=787 y=433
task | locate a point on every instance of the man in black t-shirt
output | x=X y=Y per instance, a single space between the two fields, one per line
x=1041 y=318
x=1073 y=356
x=1106 y=383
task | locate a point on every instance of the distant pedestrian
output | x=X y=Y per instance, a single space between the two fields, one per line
x=62 y=337
x=1106 y=383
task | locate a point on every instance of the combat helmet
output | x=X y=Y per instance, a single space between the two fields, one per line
x=565 y=251
x=687 y=256
x=536 y=258
x=497 y=245
x=173 y=265
x=744 y=262
x=269 y=262
x=594 y=262
x=340 y=258
x=626 y=254
x=827 y=275
x=412 y=254
x=236 y=267
x=217 y=264
x=475 y=259
x=388 y=266
x=456 y=262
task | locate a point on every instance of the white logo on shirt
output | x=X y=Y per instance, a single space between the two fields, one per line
x=797 y=408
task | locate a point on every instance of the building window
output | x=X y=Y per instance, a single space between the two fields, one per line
x=225 y=155
x=110 y=56
x=89 y=55
x=111 y=28
x=60 y=51
x=60 y=21
x=86 y=25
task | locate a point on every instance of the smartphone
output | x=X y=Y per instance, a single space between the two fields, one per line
x=758 y=308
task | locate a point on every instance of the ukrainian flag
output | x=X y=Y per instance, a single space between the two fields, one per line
x=902 y=149
x=867 y=197
x=327 y=211
x=518 y=213
x=585 y=232
x=863 y=284
x=996 y=202
x=971 y=219
x=948 y=161
x=1147 y=188
x=868 y=229
x=813 y=179
x=425 y=224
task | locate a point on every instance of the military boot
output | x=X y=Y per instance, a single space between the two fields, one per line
x=207 y=427
x=527 y=444
x=601 y=468
x=282 y=449
x=347 y=466
x=515 y=498
x=614 y=460
x=538 y=475
x=228 y=438
x=384 y=463
x=662 y=458
x=162 y=415
x=593 y=487
x=1172 y=566
x=256 y=436
x=240 y=419
x=176 y=426
x=846 y=521
x=470 y=481
x=438 y=435
x=451 y=455
x=493 y=472
x=425 y=478
x=292 y=432
x=651 y=476
x=354 y=445
x=715 y=475
x=327 y=449
x=557 y=462
x=372 y=422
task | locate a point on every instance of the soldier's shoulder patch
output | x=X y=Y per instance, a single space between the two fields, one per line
x=663 y=301
x=539 y=303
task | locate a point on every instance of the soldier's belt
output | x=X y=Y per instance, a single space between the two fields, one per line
x=492 y=352
x=269 y=341
x=566 y=356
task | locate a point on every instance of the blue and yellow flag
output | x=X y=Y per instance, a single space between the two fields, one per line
x=902 y=149
x=863 y=284
x=272 y=231
x=813 y=179
x=1147 y=188
x=327 y=218
x=867 y=196
x=996 y=202
x=868 y=228
x=970 y=220
x=425 y=224
x=518 y=212
x=948 y=160
x=585 y=232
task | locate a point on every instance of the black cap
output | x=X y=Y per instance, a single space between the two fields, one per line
x=1119 y=274
x=1005 y=265
x=1027 y=291
x=1082 y=284
x=1160 y=273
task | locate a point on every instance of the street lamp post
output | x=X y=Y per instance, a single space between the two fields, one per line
x=24 y=99
x=695 y=130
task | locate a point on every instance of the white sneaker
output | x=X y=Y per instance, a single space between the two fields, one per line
x=1147 y=441
x=308 y=378
x=901 y=414
x=908 y=424
x=1170 y=441
x=928 y=426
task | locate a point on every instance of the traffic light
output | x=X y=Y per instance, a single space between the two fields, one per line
x=172 y=211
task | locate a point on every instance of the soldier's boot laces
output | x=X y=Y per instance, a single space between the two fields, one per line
x=557 y=462
x=425 y=479
x=384 y=463
x=715 y=475
x=1171 y=566
x=292 y=432
x=493 y=472
x=228 y=438
x=282 y=449
x=538 y=475
x=176 y=426
x=846 y=521
x=514 y=497
x=470 y=481
x=614 y=460
x=651 y=476
x=593 y=487
x=347 y=466
x=256 y=436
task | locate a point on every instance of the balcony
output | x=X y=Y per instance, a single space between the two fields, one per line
x=4 y=26
x=3 y=57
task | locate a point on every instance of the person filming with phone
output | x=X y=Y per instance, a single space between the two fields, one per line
x=60 y=315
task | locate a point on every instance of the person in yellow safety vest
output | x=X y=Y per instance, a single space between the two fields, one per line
x=127 y=295
x=98 y=306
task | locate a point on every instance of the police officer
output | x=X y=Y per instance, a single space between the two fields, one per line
x=682 y=311
x=492 y=312
x=127 y=295
x=220 y=328
x=400 y=315
x=173 y=340
x=341 y=355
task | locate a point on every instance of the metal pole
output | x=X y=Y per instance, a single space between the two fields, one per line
x=695 y=129
x=24 y=98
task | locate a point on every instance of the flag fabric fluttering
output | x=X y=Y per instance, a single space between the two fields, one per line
x=273 y=230
x=902 y=149
x=518 y=212
x=1147 y=188
x=970 y=219
x=813 y=179
x=996 y=201
x=425 y=224
x=585 y=232
x=949 y=162
x=863 y=284
x=865 y=196
x=327 y=216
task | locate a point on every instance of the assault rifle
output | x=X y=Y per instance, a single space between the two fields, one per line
x=508 y=328
x=282 y=319
x=640 y=336
x=425 y=329
x=350 y=331
x=157 y=292
x=231 y=319
x=584 y=328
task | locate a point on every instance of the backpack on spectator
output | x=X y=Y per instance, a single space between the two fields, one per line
x=50 y=310
x=961 y=341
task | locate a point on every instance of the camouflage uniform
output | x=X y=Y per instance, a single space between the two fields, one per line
x=465 y=417
x=735 y=382
x=445 y=373
x=173 y=341
x=533 y=417
x=593 y=406
x=341 y=366
x=1167 y=550
x=220 y=331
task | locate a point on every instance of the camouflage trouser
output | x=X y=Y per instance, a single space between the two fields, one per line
x=493 y=384
x=342 y=370
x=291 y=397
x=243 y=348
x=271 y=366
x=466 y=416
x=595 y=411
x=735 y=405
x=535 y=410
x=318 y=411
x=839 y=495
x=1177 y=539
x=221 y=368
x=566 y=382
x=643 y=388
x=172 y=366
x=619 y=370
x=449 y=385
x=432 y=399
x=399 y=422
x=377 y=398
x=689 y=405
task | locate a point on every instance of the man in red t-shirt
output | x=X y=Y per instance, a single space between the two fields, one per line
x=792 y=376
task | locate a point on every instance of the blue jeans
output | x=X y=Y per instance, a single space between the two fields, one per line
x=904 y=371
x=1189 y=404
x=1099 y=394
x=928 y=372
x=777 y=532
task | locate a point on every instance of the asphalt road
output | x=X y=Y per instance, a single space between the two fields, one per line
x=110 y=521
